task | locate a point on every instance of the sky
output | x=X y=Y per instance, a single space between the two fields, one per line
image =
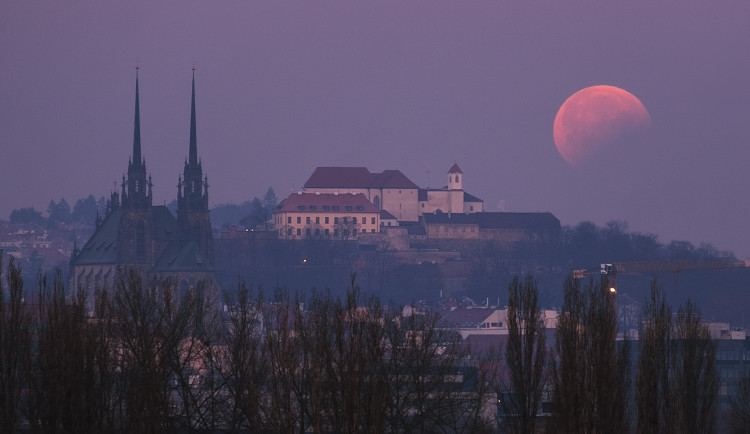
x=284 y=87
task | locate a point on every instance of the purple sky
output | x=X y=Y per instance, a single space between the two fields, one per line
x=283 y=87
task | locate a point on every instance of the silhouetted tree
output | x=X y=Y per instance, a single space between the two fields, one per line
x=85 y=211
x=15 y=348
x=739 y=405
x=656 y=413
x=525 y=356
x=590 y=382
x=695 y=379
x=58 y=212
x=26 y=216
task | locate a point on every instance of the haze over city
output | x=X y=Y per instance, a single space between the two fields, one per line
x=414 y=86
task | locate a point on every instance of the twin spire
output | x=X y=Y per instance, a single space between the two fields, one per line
x=136 y=190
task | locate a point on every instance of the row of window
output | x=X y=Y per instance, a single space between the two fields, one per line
x=308 y=220
x=325 y=232
x=332 y=207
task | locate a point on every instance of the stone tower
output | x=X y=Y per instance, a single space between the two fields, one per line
x=193 y=218
x=135 y=231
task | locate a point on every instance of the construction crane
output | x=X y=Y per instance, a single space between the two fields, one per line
x=675 y=266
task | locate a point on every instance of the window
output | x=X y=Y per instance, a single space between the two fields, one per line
x=299 y=231
x=326 y=207
x=307 y=220
x=317 y=220
x=376 y=202
x=289 y=220
x=335 y=220
x=313 y=207
x=372 y=220
x=299 y=220
x=372 y=230
x=301 y=207
x=335 y=207
x=360 y=208
x=307 y=232
x=346 y=220
x=348 y=207
x=289 y=232
x=354 y=220
x=471 y=207
x=326 y=220
x=335 y=232
x=327 y=232
x=317 y=231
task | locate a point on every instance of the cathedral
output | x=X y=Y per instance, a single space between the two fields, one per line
x=134 y=233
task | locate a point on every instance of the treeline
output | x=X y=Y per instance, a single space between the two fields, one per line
x=150 y=359
x=674 y=387
x=85 y=211
x=587 y=245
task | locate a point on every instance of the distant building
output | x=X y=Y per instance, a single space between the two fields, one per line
x=392 y=191
x=325 y=216
x=506 y=227
x=137 y=234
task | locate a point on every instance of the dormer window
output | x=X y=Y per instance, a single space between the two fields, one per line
x=313 y=207
x=301 y=207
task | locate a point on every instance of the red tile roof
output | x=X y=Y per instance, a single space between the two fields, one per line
x=325 y=203
x=455 y=169
x=357 y=177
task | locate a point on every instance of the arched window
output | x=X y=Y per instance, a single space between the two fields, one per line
x=376 y=202
x=140 y=241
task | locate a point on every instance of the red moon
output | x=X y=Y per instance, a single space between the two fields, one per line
x=592 y=119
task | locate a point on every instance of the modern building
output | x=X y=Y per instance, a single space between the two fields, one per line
x=137 y=234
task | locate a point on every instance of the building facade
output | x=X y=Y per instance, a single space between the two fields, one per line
x=325 y=216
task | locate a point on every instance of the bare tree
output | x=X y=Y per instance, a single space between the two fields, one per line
x=591 y=382
x=739 y=406
x=525 y=356
x=696 y=380
x=656 y=412
x=15 y=348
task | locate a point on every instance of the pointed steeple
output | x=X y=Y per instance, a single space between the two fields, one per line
x=193 y=156
x=137 y=195
x=137 y=127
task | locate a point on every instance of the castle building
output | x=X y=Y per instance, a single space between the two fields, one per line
x=137 y=234
x=393 y=192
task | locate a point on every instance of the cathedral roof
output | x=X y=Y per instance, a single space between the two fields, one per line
x=187 y=256
x=455 y=169
x=101 y=248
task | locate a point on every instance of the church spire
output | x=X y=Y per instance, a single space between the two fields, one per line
x=137 y=126
x=193 y=156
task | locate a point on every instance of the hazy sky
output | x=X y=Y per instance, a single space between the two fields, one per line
x=283 y=87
